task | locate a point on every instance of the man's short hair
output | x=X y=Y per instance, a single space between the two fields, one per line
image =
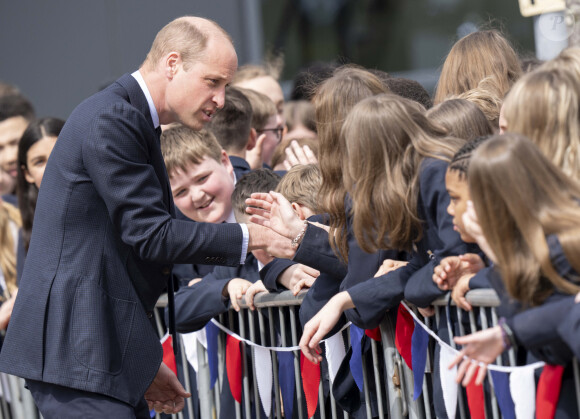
x=183 y=36
x=13 y=105
x=259 y=180
x=181 y=146
x=262 y=108
x=232 y=124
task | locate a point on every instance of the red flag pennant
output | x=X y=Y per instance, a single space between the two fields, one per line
x=475 y=399
x=403 y=334
x=168 y=354
x=310 y=382
x=548 y=391
x=234 y=367
x=374 y=334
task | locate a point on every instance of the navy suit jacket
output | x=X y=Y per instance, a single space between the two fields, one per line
x=101 y=253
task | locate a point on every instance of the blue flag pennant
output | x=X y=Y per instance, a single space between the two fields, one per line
x=501 y=384
x=211 y=332
x=419 y=342
x=356 y=335
x=287 y=381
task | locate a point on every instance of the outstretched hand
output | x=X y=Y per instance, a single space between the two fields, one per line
x=296 y=154
x=483 y=346
x=166 y=394
x=274 y=211
x=322 y=323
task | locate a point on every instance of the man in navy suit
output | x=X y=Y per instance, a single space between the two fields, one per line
x=105 y=237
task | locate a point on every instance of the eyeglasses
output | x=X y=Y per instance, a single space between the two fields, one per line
x=278 y=131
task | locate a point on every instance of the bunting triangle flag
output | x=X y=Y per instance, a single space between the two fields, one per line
x=211 y=332
x=335 y=353
x=403 y=334
x=356 y=334
x=287 y=381
x=549 y=391
x=374 y=334
x=263 y=368
x=189 y=341
x=419 y=343
x=523 y=391
x=448 y=384
x=501 y=387
x=310 y=382
x=475 y=400
x=168 y=354
x=234 y=367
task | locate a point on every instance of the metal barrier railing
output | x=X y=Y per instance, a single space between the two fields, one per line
x=388 y=382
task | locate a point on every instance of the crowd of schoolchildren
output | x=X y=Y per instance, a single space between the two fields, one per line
x=386 y=195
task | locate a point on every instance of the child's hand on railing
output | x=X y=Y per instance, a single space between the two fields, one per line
x=297 y=277
x=256 y=288
x=459 y=290
x=235 y=289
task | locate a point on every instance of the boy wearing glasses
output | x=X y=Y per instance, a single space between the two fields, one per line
x=269 y=126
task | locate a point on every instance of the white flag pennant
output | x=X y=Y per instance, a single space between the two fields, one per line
x=523 y=390
x=263 y=368
x=448 y=383
x=190 y=345
x=335 y=353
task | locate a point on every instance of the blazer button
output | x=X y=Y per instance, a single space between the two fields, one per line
x=166 y=271
x=149 y=314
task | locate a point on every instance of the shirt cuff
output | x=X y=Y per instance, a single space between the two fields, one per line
x=245 y=241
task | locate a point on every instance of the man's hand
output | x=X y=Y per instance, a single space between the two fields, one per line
x=297 y=277
x=166 y=394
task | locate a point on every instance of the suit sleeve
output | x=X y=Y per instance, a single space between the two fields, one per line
x=123 y=160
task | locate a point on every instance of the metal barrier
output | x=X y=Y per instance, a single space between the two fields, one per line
x=388 y=382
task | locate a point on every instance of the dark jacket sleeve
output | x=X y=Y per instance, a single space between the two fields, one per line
x=315 y=250
x=272 y=271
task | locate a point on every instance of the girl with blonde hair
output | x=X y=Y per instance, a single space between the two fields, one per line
x=545 y=106
x=475 y=57
x=461 y=118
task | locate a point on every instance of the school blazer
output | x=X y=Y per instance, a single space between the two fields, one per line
x=101 y=253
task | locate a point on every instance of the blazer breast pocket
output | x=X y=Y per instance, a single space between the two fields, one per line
x=101 y=327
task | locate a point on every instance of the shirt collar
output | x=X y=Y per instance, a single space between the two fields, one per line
x=154 y=116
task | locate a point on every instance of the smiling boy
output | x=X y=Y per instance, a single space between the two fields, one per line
x=200 y=173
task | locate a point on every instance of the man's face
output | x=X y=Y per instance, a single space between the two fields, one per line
x=11 y=130
x=203 y=192
x=193 y=96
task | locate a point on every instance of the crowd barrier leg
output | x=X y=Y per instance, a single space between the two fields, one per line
x=206 y=408
x=273 y=340
x=397 y=403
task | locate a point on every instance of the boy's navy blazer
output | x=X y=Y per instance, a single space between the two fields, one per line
x=101 y=253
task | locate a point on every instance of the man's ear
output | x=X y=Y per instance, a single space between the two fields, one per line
x=171 y=64
x=252 y=139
